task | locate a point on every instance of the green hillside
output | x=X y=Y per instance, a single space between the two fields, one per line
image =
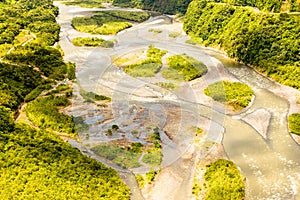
x=163 y=6
x=268 y=41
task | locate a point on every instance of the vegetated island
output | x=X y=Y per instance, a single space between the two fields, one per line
x=108 y=22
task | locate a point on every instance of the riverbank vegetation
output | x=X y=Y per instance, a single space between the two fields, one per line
x=108 y=22
x=184 y=66
x=118 y=155
x=223 y=181
x=294 y=123
x=235 y=94
x=37 y=163
x=87 y=3
x=92 y=42
x=163 y=6
x=149 y=66
x=265 y=40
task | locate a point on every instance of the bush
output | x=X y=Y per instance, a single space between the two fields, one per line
x=189 y=67
x=148 y=67
x=235 y=94
x=136 y=16
x=294 y=123
x=101 y=23
x=118 y=155
x=224 y=181
x=153 y=157
x=92 y=42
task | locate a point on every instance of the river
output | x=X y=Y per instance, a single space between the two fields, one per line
x=270 y=165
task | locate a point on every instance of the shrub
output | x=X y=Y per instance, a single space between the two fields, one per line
x=294 y=123
x=235 y=94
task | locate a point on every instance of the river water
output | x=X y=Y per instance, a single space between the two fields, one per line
x=270 y=165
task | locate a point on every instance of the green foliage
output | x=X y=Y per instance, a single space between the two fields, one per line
x=153 y=157
x=118 y=155
x=163 y=6
x=150 y=176
x=47 y=59
x=92 y=42
x=224 y=181
x=149 y=66
x=101 y=23
x=93 y=96
x=294 y=123
x=44 y=113
x=136 y=16
x=140 y=179
x=186 y=66
x=71 y=69
x=15 y=83
x=36 y=92
x=6 y=120
x=80 y=124
x=39 y=165
x=136 y=147
x=87 y=3
x=268 y=41
x=235 y=94
x=167 y=85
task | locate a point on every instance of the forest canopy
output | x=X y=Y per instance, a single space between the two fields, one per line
x=270 y=42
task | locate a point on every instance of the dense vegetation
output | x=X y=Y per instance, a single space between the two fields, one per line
x=92 y=42
x=87 y=3
x=44 y=113
x=120 y=156
x=270 y=42
x=224 y=181
x=235 y=94
x=184 y=66
x=163 y=6
x=294 y=123
x=35 y=163
x=39 y=165
x=136 y=16
x=108 y=22
x=149 y=66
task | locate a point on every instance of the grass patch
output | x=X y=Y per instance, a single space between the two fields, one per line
x=149 y=66
x=121 y=157
x=87 y=3
x=91 y=96
x=174 y=34
x=172 y=74
x=136 y=16
x=224 y=181
x=101 y=23
x=153 y=157
x=92 y=42
x=108 y=22
x=154 y=30
x=235 y=94
x=186 y=66
x=167 y=85
x=294 y=123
